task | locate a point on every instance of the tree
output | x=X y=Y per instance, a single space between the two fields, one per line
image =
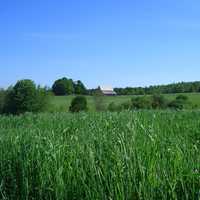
x=2 y=99
x=24 y=97
x=42 y=99
x=70 y=86
x=78 y=104
x=63 y=86
x=80 y=88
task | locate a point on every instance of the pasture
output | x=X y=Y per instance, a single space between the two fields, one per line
x=62 y=103
x=116 y=156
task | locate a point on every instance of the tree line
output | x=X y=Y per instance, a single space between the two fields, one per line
x=182 y=87
x=26 y=96
x=65 y=86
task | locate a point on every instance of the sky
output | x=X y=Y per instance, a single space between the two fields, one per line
x=101 y=42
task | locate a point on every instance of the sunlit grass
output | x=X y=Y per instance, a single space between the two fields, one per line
x=127 y=155
x=62 y=103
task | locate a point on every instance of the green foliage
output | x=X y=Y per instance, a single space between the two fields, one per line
x=127 y=105
x=183 y=87
x=2 y=100
x=182 y=97
x=25 y=97
x=80 y=88
x=143 y=155
x=141 y=102
x=112 y=107
x=181 y=102
x=78 y=104
x=99 y=100
x=42 y=99
x=65 y=101
x=159 y=101
x=63 y=86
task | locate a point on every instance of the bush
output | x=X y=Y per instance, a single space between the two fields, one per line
x=112 y=107
x=181 y=102
x=125 y=105
x=99 y=100
x=78 y=104
x=42 y=99
x=141 y=103
x=25 y=97
x=159 y=101
x=182 y=97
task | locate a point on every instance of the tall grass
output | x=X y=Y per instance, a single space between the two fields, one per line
x=95 y=156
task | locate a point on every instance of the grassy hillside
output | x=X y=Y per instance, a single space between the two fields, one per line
x=61 y=103
x=120 y=156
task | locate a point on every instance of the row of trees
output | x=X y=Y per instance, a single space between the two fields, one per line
x=66 y=86
x=183 y=87
x=25 y=96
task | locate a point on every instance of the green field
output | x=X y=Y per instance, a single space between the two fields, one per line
x=62 y=103
x=143 y=155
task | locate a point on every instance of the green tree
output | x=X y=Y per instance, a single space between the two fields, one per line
x=78 y=104
x=2 y=99
x=80 y=88
x=42 y=99
x=24 y=97
x=63 y=86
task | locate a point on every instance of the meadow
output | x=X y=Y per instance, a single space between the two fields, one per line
x=62 y=103
x=112 y=156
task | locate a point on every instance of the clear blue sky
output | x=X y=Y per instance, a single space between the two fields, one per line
x=101 y=42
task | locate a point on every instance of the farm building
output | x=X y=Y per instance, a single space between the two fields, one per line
x=108 y=91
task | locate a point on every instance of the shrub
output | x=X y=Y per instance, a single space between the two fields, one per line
x=78 y=104
x=99 y=100
x=125 y=105
x=112 y=107
x=141 y=103
x=182 y=97
x=159 y=101
x=25 y=97
x=42 y=99
x=181 y=102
